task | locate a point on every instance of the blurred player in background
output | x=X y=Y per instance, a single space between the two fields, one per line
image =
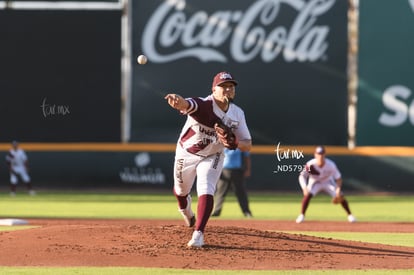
x=213 y=122
x=18 y=164
x=236 y=168
x=321 y=174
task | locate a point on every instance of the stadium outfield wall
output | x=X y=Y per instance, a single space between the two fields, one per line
x=140 y=166
x=72 y=111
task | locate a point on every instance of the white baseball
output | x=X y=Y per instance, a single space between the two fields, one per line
x=142 y=59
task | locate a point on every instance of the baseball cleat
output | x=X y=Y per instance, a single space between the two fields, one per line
x=248 y=214
x=215 y=214
x=300 y=218
x=197 y=240
x=188 y=214
x=351 y=218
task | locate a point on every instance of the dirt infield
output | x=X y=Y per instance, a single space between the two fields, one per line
x=244 y=244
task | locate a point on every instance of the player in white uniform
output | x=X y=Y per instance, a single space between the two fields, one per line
x=18 y=164
x=199 y=152
x=321 y=174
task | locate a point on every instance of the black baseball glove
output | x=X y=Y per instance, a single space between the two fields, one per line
x=226 y=136
x=312 y=170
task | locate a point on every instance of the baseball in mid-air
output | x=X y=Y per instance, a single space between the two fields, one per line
x=142 y=59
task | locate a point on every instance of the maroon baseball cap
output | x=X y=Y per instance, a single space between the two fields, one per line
x=223 y=77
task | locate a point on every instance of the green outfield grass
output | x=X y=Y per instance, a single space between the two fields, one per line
x=139 y=205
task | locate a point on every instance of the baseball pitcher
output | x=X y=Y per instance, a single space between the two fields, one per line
x=213 y=123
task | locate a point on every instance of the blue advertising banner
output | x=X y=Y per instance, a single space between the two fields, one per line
x=290 y=58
